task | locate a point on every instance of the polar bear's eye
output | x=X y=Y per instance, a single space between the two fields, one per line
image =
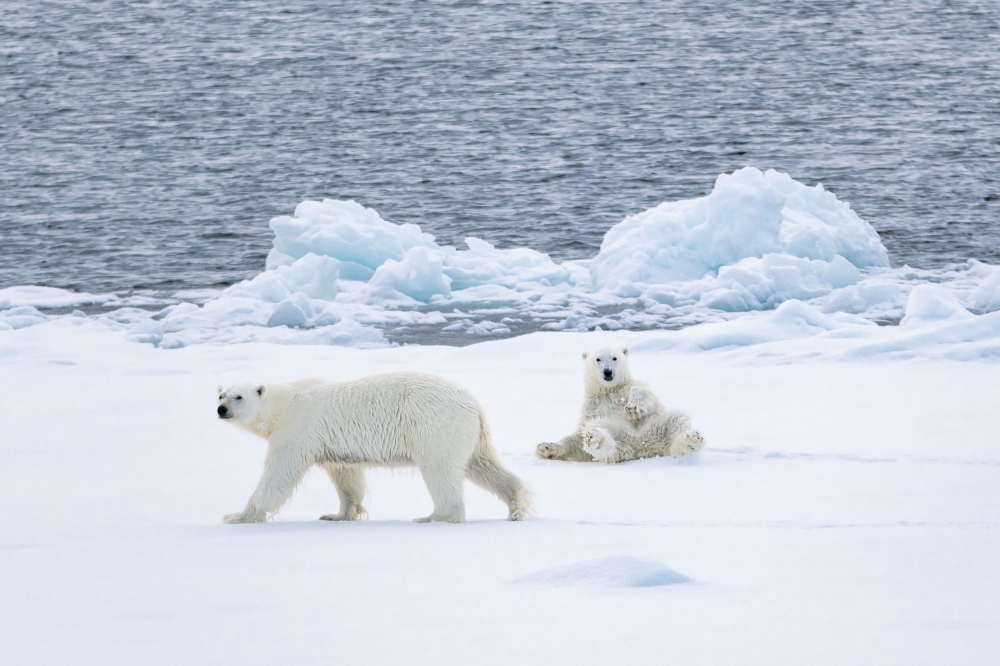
x=614 y=358
x=239 y=397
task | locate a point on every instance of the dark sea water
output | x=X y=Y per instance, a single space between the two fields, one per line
x=145 y=145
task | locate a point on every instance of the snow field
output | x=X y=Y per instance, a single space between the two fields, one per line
x=842 y=512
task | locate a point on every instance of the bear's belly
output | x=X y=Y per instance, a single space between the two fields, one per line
x=382 y=458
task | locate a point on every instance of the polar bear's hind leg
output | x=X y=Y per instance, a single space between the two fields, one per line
x=568 y=448
x=687 y=443
x=672 y=435
x=486 y=471
x=599 y=443
x=549 y=451
x=441 y=453
x=444 y=483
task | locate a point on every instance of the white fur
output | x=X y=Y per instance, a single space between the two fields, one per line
x=390 y=420
x=621 y=418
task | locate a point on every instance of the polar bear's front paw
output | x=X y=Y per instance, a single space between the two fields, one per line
x=688 y=444
x=548 y=451
x=598 y=443
x=639 y=409
x=637 y=404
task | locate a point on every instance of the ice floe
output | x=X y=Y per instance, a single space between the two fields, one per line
x=760 y=242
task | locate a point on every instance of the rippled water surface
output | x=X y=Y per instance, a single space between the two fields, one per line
x=145 y=145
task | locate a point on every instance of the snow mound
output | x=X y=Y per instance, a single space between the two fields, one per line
x=615 y=571
x=20 y=317
x=932 y=303
x=400 y=257
x=757 y=240
x=344 y=230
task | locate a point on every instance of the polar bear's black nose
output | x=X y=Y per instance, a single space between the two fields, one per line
x=222 y=411
x=608 y=375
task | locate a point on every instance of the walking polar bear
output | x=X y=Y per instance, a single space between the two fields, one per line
x=390 y=420
x=622 y=419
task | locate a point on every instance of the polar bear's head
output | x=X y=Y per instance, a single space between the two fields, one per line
x=607 y=367
x=240 y=402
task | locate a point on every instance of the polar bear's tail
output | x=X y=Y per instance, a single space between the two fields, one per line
x=486 y=471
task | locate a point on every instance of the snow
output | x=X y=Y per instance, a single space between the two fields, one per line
x=844 y=509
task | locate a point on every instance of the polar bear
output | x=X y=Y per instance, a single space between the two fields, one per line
x=391 y=420
x=622 y=419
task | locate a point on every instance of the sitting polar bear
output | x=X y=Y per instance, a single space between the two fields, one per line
x=387 y=420
x=622 y=419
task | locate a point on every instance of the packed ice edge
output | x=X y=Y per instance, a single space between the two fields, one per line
x=761 y=247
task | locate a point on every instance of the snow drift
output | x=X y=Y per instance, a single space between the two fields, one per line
x=614 y=571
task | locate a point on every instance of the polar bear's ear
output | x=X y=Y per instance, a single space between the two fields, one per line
x=624 y=351
x=260 y=390
x=585 y=355
x=219 y=389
